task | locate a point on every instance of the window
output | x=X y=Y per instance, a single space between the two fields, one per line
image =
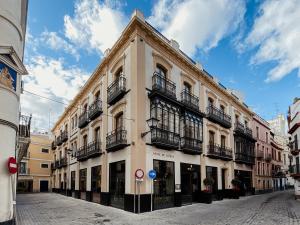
x=97 y=134
x=119 y=121
x=222 y=107
x=85 y=108
x=75 y=121
x=211 y=137
x=191 y=127
x=167 y=114
x=22 y=168
x=187 y=87
x=223 y=141
x=45 y=165
x=236 y=118
x=246 y=123
x=85 y=140
x=267 y=137
x=284 y=159
x=257 y=132
x=97 y=95
x=210 y=102
x=258 y=168
x=119 y=73
x=72 y=123
x=45 y=150
x=161 y=78
x=263 y=169
x=96 y=179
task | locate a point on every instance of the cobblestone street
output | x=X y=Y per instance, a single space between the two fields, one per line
x=267 y=209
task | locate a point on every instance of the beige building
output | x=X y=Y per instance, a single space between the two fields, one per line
x=149 y=106
x=35 y=168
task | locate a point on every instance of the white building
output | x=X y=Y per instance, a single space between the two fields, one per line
x=13 y=14
x=294 y=131
x=278 y=125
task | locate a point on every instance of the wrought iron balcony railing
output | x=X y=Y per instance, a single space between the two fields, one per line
x=259 y=154
x=189 y=100
x=116 y=90
x=64 y=136
x=268 y=158
x=219 y=152
x=163 y=85
x=95 y=109
x=295 y=147
x=63 y=162
x=83 y=120
x=53 y=166
x=242 y=129
x=53 y=145
x=191 y=145
x=59 y=141
x=294 y=170
x=93 y=149
x=116 y=140
x=245 y=158
x=217 y=115
x=164 y=139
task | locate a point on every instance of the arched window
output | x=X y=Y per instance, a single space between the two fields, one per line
x=187 y=87
x=210 y=101
x=97 y=95
x=119 y=73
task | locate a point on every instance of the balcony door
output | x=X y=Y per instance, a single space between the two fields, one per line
x=119 y=121
x=117 y=184
x=162 y=72
x=211 y=137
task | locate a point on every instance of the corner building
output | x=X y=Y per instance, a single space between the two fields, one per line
x=197 y=128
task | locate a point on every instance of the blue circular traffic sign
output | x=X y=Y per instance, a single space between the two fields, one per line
x=152 y=174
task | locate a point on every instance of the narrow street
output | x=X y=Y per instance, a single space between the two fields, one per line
x=268 y=209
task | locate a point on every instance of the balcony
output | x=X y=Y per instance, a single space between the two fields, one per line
x=95 y=109
x=116 y=90
x=294 y=171
x=53 y=145
x=116 y=140
x=268 y=158
x=59 y=141
x=163 y=87
x=278 y=173
x=24 y=171
x=218 y=116
x=219 y=152
x=83 y=120
x=190 y=100
x=23 y=136
x=164 y=139
x=241 y=129
x=64 y=136
x=295 y=147
x=191 y=146
x=63 y=162
x=260 y=154
x=244 y=158
x=92 y=150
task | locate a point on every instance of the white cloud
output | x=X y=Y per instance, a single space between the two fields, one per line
x=58 y=43
x=276 y=33
x=197 y=24
x=95 y=25
x=52 y=79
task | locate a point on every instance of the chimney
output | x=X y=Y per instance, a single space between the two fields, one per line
x=174 y=44
x=137 y=13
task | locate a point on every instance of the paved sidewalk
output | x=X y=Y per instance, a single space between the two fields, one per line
x=268 y=209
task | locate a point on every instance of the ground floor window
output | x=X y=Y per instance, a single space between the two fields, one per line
x=246 y=180
x=73 y=175
x=164 y=184
x=212 y=172
x=96 y=179
x=82 y=180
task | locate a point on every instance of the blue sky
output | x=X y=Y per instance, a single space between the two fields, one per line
x=250 y=46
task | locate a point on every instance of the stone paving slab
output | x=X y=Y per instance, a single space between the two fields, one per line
x=278 y=208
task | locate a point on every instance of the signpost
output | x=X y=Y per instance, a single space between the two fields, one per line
x=139 y=174
x=152 y=176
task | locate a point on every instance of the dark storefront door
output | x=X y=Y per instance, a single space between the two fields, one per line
x=117 y=184
x=212 y=172
x=246 y=181
x=164 y=184
x=44 y=184
x=223 y=178
x=190 y=182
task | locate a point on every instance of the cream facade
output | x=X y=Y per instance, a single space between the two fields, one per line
x=13 y=14
x=148 y=106
x=34 y=173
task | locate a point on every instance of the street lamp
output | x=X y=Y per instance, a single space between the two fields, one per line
x=152 y=123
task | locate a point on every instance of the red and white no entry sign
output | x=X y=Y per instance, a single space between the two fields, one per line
x=12 y=165
x=139 y=173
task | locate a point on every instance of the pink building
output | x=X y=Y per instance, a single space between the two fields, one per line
x=263 y=167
